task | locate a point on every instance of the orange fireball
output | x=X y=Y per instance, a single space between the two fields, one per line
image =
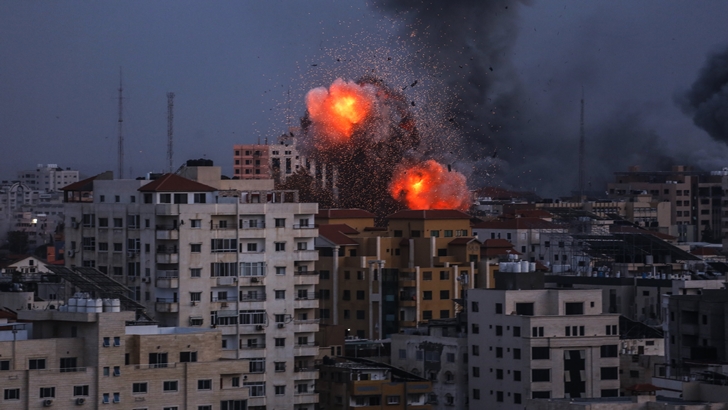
x=340 y=108
x=429 y=185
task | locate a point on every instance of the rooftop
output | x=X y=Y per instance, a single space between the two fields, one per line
x=430 y=214
x=175 y=183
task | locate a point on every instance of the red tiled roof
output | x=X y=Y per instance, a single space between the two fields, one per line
x=12 y=258
x=336 y=233
x=517 y=223
x=4 y=314
x=705 y=251
x=497 y=247
x=430 y=214
x=175 y=183
x=83 y=185
x=344 y=213
x=463 y=241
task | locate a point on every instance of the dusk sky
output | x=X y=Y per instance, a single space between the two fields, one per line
x=241 y=69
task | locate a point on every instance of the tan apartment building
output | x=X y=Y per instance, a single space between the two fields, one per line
x=66 y=360
x=277 y=162
x=374 y=281
x=199 y=251
x=362 y=384
x=541 y=343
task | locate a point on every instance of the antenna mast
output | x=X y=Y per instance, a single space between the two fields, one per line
x=582 y=143
x=121 y=135
x=170 y=118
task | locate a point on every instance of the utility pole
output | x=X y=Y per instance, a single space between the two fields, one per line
x=170 y=129
x=121 y=135
x=582 y=144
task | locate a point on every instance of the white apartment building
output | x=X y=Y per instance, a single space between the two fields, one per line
x=208 y=252
x=439 y=354
x=544 y=343
x=49 y=177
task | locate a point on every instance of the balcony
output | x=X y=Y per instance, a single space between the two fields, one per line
x=167 y=254
x=224 y=304
x=167 y=234
x=308 y=349
x=305 y=373
x=407 y=279
x=305 y=398
x=310 y=325
x=166 y=305
x=251 y=280
x=227 y=280
x=308 y=300
x=305 y=278
x=167 y=279
x=222 y=225
x=305 y=255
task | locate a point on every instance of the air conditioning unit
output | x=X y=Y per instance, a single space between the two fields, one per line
x=74 y=224
x=80 y=401
x=281 y=325
x=235 y=278
x=194 y=303
x=47 y=403
x=259 y=327
x=70 y=253
x=254 y=280
x=147 y=279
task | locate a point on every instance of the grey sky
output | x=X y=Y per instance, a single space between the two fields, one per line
x=231 y=65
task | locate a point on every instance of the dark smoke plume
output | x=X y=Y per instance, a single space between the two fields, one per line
x=504 y=138
x=707 y=100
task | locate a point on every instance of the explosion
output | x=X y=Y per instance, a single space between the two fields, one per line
x=429 y=185
x=338 y=110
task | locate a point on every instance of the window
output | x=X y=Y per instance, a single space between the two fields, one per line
x=170 y=385
x=516 y=375
x=280 y=341
x=280 y=246
x=499 y=396
x=426 y=314
x=195 y=296
x=474 y=307
x=609 y=351
x=279 y=366
x=103 y=222
x=4 y=364
x=476 y=350
x=434 y=233
x=517 y=354
x=609 y=373
x=157 y=360
x=360 y=315
x=475 y=328
x=36 y=364
x=392 y=399
x=187 y=357
x=448 y=233
x=427 y=295
x=360 y=295
x=11 y=394
x=476 y=392
x=204 y=384
x=103 y=246
x=207 y=406
x=611 y=329
x=499 y=330
x=105 y=398
x=524 y=309
x=444 y=295
x=280 y=390
x=476 y=371
x=224 y=245
x=516 y=398
x=47 y=392
x=574 y=308
x=540 y=353
x=256 y=389
x=450 y=357
x=107 y=342
x=540 y=375
x=537 y=331
x=256 y=365
x=139 y=388
x=280 y=222
x=199 y=198
x=252 y=247
x=118 y=247
x=301 y=246
x=516 y=331
x=427 y=276
x=195 y=223
x=118 y=223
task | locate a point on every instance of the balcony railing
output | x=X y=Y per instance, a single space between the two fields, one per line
x=224 y=299
x=304 y=226
x=307 y=296
x=305 y=272
x=168 y=274
x=253 y=298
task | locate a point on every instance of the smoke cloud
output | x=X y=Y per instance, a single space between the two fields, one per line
x=707 y=100
x=503 y=136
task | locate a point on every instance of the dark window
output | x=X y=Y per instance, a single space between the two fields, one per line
x=609 y=373
x=609 y=351
x=499 y=330
x=516 y=331
x=360 y=295
x=540 y=353
x=516 y=398
x=36 y=364
x=541 y=375
x=541 y=395
x=499 y=308
x=185 y=357
x=517 y=354
x=444 y=294
x=574 y=308
x=427 y=295
x=524 y=309
x=516 y=375
x=474 y=307
x=610 y=392
x=68 y=364
x=139 y=388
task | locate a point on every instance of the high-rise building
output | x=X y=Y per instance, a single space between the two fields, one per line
x=540 y=343
x=201 y=251
x=47 y=178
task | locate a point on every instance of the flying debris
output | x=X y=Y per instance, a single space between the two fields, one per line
x=414 y=84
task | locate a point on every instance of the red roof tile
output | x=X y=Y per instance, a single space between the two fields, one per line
x=430 y=214
x=497 y=243
x=336 y=233
x=705 y=251
x=83 y=185
x=344 y=213
x=517 y=223
x=175 y=183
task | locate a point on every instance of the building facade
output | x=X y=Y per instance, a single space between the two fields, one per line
x=46 y=178
x=207 y=253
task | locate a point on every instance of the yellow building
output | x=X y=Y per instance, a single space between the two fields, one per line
x=375 y=281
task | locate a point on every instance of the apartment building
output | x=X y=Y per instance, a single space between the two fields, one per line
x=438 y=352
x=200 y=251
x=359 y=383
x=49 y=177
x=54 y=359
x=540 y=343
x=376 y=281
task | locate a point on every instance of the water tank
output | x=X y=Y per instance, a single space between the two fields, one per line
x=532 y=267
x=107 y=305
x=619 y=274
x=664 y=276
x=72 y=305
x=115 y=305
x=98 y=305
x=81 y=305
x=524 y=266
x=90 y=305
x=516 y=267
x=63 y=308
